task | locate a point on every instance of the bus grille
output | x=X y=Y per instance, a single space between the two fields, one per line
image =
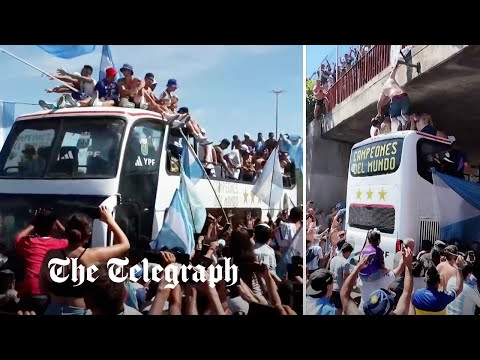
x=429 y=230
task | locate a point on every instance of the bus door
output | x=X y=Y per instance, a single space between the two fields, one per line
x=139 y=175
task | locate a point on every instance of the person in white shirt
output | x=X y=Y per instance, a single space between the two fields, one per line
x=265 y=254
x=469 y=298
x=208 y=156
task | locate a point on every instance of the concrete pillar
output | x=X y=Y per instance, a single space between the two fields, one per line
x=327 y=168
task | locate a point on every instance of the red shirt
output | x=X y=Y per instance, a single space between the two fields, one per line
x=33 y=250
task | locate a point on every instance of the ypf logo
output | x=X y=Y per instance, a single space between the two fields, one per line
x=144 y=146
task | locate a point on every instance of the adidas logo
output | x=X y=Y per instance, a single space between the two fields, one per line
x=68 y=156
x=138 y=162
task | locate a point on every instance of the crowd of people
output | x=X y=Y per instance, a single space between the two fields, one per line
x=440 y=280
x=244 y=162
x=270 y=273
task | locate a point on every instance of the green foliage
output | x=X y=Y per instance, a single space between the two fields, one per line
x=310 y=99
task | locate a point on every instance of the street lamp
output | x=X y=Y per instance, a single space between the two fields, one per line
x=277 y=93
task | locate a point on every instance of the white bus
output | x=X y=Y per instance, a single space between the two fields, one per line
x=78 y=159
x=390 y=188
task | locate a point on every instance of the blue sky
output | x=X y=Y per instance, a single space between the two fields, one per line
x=317 y=53
x=225 y=87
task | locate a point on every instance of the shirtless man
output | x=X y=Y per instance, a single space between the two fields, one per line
x=399 y=102
x=219 y=154
x=447 y=268
x=320 y=92
x=131 y=89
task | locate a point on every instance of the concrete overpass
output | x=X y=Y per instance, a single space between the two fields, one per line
x=446 y=88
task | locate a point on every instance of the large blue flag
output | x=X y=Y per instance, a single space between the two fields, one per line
x=176 y=232
x=457 y=207
x=105 y=62
x=192 y=167
x=196 y=211
x=7 y=117
x=67 y=51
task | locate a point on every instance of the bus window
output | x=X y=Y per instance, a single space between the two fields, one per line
x=174 y=151
x=27 y=149
x=370 y=217
x=379 y=158
x=430 y=154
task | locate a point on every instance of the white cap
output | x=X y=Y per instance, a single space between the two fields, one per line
x=221 y=242
x=451 y=138
x=247 y=134
x=244 y=147
x=202 y=130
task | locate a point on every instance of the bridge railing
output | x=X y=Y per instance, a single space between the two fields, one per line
x=365 y=69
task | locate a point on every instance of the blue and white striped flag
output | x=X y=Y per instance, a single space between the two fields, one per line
x=176 y=232
x=192 y=167
x=7 y=117
x=196 y=211
x=67 y=51
x=105 y=62
x=457 y=207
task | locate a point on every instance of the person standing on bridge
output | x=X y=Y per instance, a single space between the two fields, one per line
x=399 y=102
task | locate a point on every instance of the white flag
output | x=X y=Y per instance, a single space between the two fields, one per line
x=394 y=54
x=269 y=185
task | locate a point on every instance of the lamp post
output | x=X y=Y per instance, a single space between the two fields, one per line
x=277 y=93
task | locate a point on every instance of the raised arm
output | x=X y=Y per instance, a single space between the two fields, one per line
x=63 y=73
x=405 y=300
x=348 y=304
x=103 y=254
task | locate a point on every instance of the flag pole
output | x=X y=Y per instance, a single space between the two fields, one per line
x=189 y=206
x=205 y=173
x=38 y=69
x=271 y=183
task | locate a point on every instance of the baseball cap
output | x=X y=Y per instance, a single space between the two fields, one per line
x=452 y=138
x=172 y=82
x=380 y=302
x=111 y=72
x=319 y=281
x=247 y=134
x=439 y=243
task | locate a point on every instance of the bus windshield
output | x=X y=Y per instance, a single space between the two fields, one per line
x=379 y=158
x=73 y=147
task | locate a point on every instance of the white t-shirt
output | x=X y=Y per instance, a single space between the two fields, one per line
x=236 y=160
x=266 y=255
x=367 y=288
x=465 y=303
x=312 y=265
x=88 y=88
x=284 y=236
x=205 y=154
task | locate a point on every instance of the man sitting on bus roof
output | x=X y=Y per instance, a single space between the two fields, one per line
x=107 y=89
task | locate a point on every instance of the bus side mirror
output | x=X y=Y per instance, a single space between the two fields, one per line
x=99 y=233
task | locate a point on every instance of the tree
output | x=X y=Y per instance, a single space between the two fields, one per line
x=310 y=99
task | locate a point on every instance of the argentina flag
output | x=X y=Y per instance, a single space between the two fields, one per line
x=269 y=185
x=196 y=211
x=192 y=167
x=176 y=232
x=457 y=207
x=7 y=117
x=105 y=62
x=67 y=51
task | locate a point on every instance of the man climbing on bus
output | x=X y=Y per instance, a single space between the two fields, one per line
x=399 y=102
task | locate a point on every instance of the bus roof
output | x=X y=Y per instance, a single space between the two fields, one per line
x=132 y=114
x=401 y=134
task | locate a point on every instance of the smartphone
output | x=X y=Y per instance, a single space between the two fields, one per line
x=182 y=259
x=202 y=261
x=471 y=256
x=294 y=270
x=226 y=252
x=256 y=309
x=205 y=249
x=227 y=227
x=252 y=267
